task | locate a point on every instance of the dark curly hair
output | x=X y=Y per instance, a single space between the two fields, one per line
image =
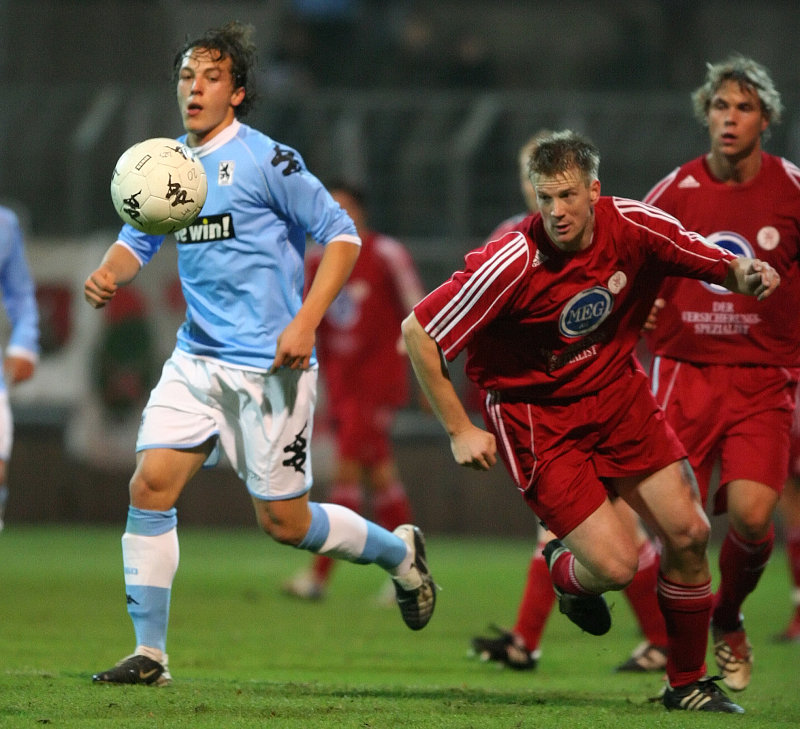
x=232 y=40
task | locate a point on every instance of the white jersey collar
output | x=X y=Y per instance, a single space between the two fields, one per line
x=222 y=138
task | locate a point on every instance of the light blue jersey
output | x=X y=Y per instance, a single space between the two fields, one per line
x=18 y=291
x=241 y=262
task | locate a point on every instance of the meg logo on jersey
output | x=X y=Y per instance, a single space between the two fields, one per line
x=207 y=229
x=585 y=311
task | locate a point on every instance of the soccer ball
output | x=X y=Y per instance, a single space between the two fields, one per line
x=158 y=186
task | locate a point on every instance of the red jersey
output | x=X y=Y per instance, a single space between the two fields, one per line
x=760 y=219
x=540 y=323
x=358 y=340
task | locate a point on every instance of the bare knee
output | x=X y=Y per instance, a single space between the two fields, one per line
x=286 y=523
x=685 y=547
x=161 y=474
x=753 y=524
x=282 y=533
x=618 y=575
x=148 y=493
x=750 y=508
x=752 y=529
x=608 y=570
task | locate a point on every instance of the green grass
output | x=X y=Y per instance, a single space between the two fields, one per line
x=243 y=655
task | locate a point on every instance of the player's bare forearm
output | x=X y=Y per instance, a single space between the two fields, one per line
x=432 y=376
x=471 y=446
x=118 y=267
x=752 y=277
x=334 y=269
x=296 y=342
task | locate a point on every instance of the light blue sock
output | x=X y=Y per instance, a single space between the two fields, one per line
x=150 y=555
x=338 y=532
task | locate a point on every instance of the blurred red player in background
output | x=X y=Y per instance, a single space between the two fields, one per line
x=726 y=366
x=366 y=375
x=789 y=506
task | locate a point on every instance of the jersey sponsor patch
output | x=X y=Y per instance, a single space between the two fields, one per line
x=585 y=312
x=585 y=348
x=206 y=229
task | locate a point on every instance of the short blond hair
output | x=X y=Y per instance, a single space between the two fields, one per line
x=527 y=149
x=563 y=150
x=749 y=75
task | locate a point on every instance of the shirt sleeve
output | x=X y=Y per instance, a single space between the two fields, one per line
x=455 y=312
x=141 y=245
x=304 y=200
x=678 y=251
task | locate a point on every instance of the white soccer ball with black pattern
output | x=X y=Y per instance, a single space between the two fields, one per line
x=158 y=186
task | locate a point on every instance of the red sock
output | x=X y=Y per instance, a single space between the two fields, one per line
x=686 y=610
x=350 y=496
x=741 y=564
x=392 y=507
x=642 y=594
x=793 y=554
x=537 y=601
x=562 y=573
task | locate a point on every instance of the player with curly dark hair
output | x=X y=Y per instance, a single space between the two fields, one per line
x=243 y=376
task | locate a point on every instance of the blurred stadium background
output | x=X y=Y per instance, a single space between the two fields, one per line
x=424 y=104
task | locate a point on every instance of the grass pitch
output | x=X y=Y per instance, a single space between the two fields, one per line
x=244 y=655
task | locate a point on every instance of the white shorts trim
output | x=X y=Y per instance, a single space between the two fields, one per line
x=263 y=423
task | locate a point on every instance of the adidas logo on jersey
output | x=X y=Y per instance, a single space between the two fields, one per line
x=538 y=259
x=688 y=181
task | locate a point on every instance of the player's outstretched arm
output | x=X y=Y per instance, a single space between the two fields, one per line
x=118 y=267
x=471 y=446
x=751 y=276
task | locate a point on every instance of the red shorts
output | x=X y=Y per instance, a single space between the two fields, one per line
x=794 y=438
x=737 y=416
x=794 y=457
x=561 y=453
x=363 y=431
